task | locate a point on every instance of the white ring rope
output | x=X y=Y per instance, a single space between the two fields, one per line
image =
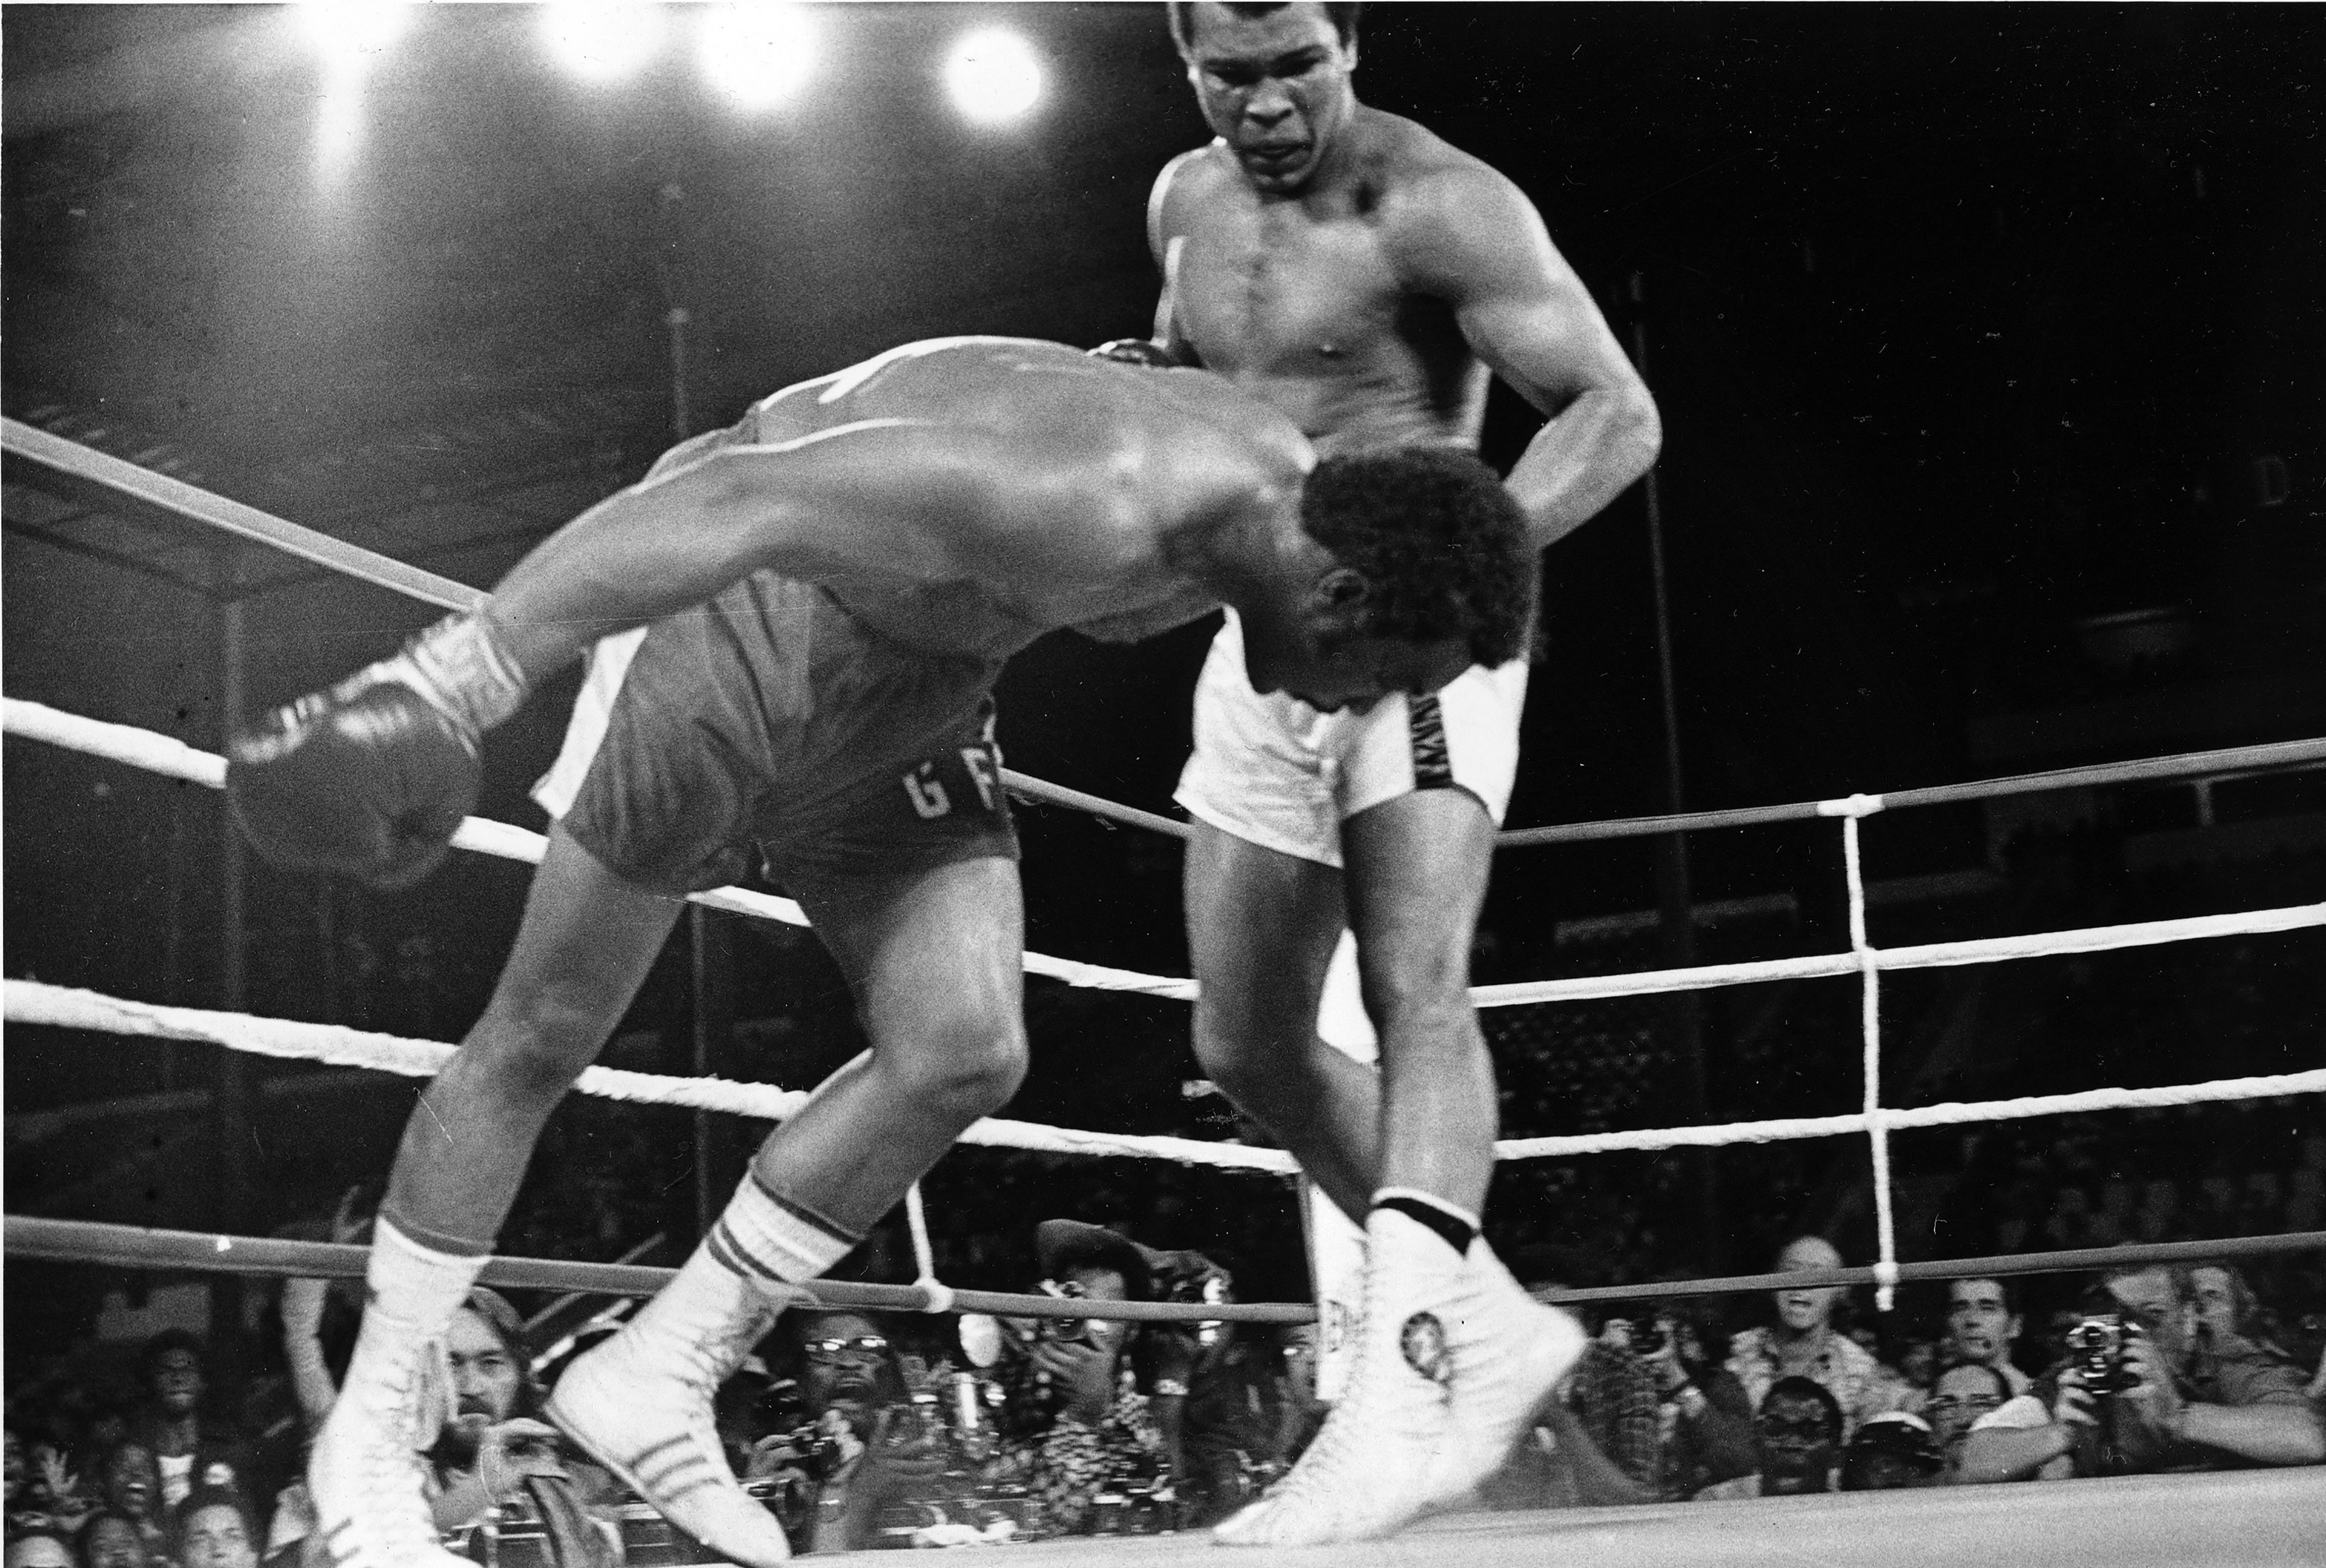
x=160 y=754
x=34 y=1002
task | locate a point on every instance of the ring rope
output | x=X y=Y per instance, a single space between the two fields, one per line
x=34 y=1002
x=173 y=759
x=354 y=560
x=92 y=1242
x=161 y=754
x=88 y=1241
x=38 y=1003
x=2190 y=764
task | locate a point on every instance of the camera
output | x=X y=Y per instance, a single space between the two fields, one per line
x=2096 y=1347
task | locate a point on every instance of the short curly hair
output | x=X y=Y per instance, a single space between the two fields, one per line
x=1440 y=539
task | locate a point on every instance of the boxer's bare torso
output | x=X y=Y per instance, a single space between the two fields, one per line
x=1331 y=305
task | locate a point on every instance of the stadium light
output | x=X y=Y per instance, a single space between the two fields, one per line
x=350 y=34
x=601 y=43
x=760 y=56
x=994 y=75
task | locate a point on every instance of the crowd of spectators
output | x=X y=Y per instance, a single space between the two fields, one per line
x=859 y=1431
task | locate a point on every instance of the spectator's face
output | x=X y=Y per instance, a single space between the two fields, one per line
x=178 y=1380
x=1884 y=1472
x=217 y=1537
x=1300 y=1357
x=1796 y=1445
x=114 y=1542
x=1807 y=1310
x=1961 y=1395
x=1102 y=1285
x=133 y=1481
x=15 y=1463
x=484 y=1376
x=2149 y=1298
x=844 y=1353
x=39 y=1551
x=2216 y=1301
x=1980 y=1326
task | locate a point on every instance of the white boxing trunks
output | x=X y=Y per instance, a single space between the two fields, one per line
x=1279 y=773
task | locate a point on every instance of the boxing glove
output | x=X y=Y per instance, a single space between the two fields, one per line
x=373 y=778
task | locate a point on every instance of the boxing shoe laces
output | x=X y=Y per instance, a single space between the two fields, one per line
x=1382 y=1459
x=366 y=1475
x=641 y=1404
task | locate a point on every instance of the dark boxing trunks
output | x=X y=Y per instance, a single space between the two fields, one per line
x=770 y=727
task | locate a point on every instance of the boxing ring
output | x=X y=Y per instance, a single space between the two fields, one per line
x=2243 y=1518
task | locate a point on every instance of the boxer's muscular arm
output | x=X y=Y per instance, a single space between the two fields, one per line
x=1167 y=249
x=1472 y=239
x=901 y=498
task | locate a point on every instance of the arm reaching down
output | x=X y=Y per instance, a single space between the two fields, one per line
x=373 y=778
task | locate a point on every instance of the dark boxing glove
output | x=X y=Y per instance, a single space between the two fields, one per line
x=373 y=778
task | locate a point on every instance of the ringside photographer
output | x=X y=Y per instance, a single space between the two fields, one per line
x=2148 y=1384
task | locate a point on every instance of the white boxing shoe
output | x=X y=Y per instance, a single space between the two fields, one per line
x=367 y=1476
x=1507 y=1353
x=1385 y=1455
x=640 y=1405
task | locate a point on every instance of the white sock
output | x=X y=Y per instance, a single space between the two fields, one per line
x=772 y=1241
x=415 y=1283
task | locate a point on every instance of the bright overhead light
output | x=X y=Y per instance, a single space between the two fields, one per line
x=994 y=75
x=602 y=42
x=758 y=55
x=350 y=34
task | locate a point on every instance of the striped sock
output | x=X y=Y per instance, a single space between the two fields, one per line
x=769 y=1239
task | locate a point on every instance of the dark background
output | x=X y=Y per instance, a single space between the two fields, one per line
x=1988 y=342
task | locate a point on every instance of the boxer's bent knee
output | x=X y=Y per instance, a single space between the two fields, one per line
x=962 y=1064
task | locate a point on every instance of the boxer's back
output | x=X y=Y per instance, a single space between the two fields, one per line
x=1115 y=460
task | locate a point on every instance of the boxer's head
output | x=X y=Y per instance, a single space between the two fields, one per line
x=1431 y=572
x=1273 y=81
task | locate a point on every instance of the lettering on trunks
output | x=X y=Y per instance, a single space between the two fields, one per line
x=1433 y=766
x=982 y=773
x=926 y=793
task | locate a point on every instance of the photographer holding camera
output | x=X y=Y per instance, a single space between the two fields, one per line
x=2147 y=1386
x=1074 y=1422
x=846 y=1440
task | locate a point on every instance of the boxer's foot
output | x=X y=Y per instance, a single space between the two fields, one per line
x=366 y=1475
x=640 y=1405
x=1508 y=1352
x=1383 y=1457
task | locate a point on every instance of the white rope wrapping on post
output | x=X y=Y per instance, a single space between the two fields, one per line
x=1869 y=1021
x=34 y=1002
